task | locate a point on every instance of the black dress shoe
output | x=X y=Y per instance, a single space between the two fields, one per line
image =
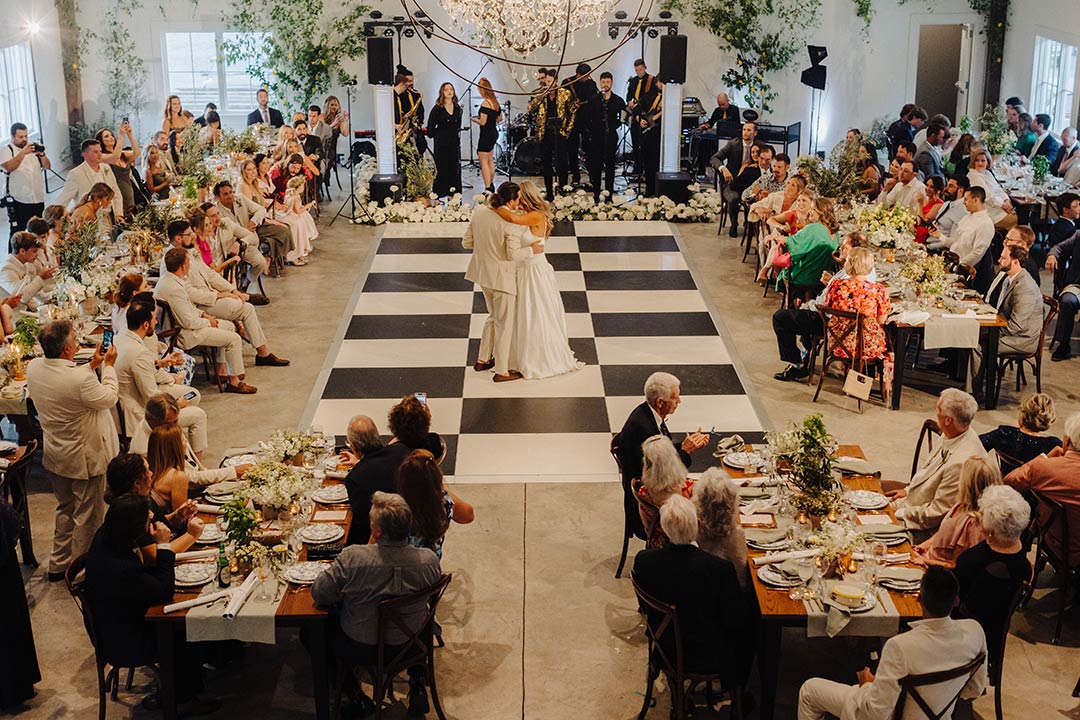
x=56 y=576
x=271 y=359
x=1064 y=352
x=793 y=373
x=734 y=231
x=257 y=299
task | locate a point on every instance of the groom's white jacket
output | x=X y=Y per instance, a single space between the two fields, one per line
x=494 y=251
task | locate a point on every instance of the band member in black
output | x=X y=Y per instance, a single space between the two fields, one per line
x=639 y=89
x=554 y=118
x=444 y=127
x=603 y=115
x=581 y=88
x=409 y=108
x=724 y=112
x=648 y=119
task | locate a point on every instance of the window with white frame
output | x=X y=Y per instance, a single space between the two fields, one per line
x=1053 y=81
x=18 y=101
x=196 y=71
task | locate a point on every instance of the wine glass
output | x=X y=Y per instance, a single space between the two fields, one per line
x=308 y=460
x=878 y=551
x=806 y=572
x=266 y=571
x=296 y=546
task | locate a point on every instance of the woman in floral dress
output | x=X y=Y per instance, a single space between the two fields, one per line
x=857 y=293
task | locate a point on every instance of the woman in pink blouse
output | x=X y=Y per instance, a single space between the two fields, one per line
x=961 y=529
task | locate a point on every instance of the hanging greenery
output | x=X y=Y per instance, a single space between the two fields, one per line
x=296 y=48
x=125 y=69
x=865 y=10
x=763 y=35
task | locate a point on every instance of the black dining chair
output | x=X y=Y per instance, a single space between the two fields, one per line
x=909 y=688
x=13 y=488
x=1052 y=547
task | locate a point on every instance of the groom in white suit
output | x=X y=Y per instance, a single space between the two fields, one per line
x=492 y=267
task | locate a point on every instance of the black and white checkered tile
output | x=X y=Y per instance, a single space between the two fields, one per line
x=632 y=307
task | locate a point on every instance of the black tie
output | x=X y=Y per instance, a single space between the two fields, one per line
x=663 y=429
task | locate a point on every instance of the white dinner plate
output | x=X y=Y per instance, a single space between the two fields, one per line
x=318 y=533
x=869 y=603
x=211 y=535
x=233 y=461
x=741 y=460
x=772 y=578
x=304 y=573
x=193 y=574
x=331 y=495
x=900 y=586
x=781 y=544
x=218 y=499
x=865 y=499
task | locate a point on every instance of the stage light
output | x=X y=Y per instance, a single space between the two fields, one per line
x=817 y=53
x=673 y=30
x=665 y=14
x=613 y=33
x=33 y=27
x=376 y=14
x=420 y=14
x=409 y=32
x=654 y=33
x=620 y=14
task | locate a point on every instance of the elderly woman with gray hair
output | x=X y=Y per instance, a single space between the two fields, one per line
x=719 y=530
x=662 y=476
x=991 y=572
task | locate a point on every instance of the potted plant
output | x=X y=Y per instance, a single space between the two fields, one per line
x=803 y=454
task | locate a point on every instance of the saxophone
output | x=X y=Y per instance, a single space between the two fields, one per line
x=405 y=127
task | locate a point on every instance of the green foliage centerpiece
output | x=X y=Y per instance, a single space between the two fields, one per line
x=419 y=171
x=994 y=132
x=839 y=177
x=803 y=454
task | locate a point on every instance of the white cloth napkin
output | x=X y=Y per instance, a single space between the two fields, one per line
x=201 y=600
x=957 y=331
x=211 y=509
x=889 y=557
x=196 y=555
x=913 y=317
x=241 y=595
x=786 y=555
x=881 y=621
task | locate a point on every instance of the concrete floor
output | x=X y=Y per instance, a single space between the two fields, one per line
x=536 y=626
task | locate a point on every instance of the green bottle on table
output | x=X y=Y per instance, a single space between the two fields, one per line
x=224 y=575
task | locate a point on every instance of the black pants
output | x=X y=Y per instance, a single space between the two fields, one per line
x=601 y=158
x=19 y=214
x=734 y=200
x=553 y=159
x=573 y=155
x=636 y=146
x=1066 y=318
x=791 y=323
x=650 y=155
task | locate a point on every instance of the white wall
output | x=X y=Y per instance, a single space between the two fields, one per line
x=869 y=74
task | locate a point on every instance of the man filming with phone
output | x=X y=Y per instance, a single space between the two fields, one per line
x=22 y=162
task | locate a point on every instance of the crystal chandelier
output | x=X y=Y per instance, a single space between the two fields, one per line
x=523 y=26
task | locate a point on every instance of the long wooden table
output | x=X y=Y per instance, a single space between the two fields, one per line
x=989 y=337
x=296 y=609
x=779 y=611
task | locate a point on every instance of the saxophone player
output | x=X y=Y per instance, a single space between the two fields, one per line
x=408 y=109
x=555 y=113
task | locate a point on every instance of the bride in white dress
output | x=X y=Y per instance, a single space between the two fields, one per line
x=539 y=348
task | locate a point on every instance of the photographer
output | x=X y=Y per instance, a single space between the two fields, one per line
x=23 y=161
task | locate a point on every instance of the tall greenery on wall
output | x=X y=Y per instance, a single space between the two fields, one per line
x=309 y=42
x=762 y=35
x=124 y=68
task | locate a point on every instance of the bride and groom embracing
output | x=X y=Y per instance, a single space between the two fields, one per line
x=525 y=331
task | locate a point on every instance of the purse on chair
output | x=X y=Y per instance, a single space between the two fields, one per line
x=858 y=385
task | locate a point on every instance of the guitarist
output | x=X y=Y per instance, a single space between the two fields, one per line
x=582 y=89
x=648 y=120
x=409 y=107
x=555 y=114
x=639 y=90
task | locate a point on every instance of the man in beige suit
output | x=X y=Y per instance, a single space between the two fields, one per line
x=935 y=487
x=79 y=436
x=199 y=328
x=492 y=267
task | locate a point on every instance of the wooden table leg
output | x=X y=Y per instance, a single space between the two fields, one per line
x=320 y=674
x=900 y=343
x=167 y=665
x=769 y=666
x=990 y=353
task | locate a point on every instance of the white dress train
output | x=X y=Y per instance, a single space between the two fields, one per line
x=539 y=348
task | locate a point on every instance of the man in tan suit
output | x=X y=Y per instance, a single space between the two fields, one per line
x=492 y=267
x=935 y=487
x=199 y=328
x=79 y=436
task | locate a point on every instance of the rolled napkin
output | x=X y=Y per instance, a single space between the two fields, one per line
x=789 y=569
x=889 y=557
x=881 y=530
x=765 y=505
x=201 y=600
x=760 y=535
x=786 y=555
x=337 y=474
x=855 y=466
x=241 y=595
x=900 y=574
x=225 y=487
x=211 y=509
x=196 y=555
x=751 y=493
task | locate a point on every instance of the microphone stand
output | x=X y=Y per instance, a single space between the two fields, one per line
x=511 y=146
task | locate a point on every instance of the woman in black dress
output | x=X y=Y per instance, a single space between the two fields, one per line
x=1024 y=441
x=487 y=119
x=18 y=658
x=444 y=124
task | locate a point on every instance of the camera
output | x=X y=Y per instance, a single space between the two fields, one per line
x=39 y=148
x=7 y=201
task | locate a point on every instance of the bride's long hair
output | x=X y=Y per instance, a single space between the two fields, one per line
x=529 y=199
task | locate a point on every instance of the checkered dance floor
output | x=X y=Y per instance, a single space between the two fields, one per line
x=632 y=307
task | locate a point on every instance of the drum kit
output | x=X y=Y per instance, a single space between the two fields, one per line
x=519 y=146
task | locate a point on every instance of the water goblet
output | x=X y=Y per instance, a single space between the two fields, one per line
x=266 y=572
x=806 y=572
x=308 y=460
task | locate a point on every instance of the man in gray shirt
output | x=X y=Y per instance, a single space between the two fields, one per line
x=363 y=575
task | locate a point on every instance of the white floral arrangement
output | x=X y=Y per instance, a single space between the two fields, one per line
x=100 y=278
x=68 y=290
x=873 y=218
x=836 y=539
x=703 y=206
x=283 y=446
x=276 y=484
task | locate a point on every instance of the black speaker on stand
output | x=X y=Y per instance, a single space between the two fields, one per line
x=380 y=61
x=674 y=185
x=814 y=78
